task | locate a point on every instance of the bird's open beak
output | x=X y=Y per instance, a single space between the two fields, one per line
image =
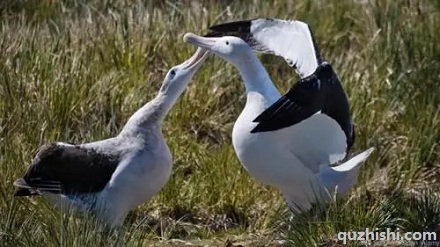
x=199 y=41
x=196 y=60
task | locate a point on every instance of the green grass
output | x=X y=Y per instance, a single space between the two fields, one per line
x=76 y=70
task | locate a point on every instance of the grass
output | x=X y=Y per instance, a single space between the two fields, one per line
x=76 y=70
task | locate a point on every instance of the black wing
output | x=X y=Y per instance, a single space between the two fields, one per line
x=321 y=91
x=67 y=169
x=241 y=29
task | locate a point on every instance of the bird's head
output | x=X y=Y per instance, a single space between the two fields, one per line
x=178 y=76
x=230 y=48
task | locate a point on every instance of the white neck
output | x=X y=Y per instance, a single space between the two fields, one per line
x=255 y=77
x=150 y=115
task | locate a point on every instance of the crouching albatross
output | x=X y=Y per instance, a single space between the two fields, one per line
x=111 y=177
x=288 y=142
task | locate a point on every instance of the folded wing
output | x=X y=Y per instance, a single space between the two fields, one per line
x=67 y=169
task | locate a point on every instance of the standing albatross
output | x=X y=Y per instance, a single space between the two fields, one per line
x=111 y=177
x=288 y=142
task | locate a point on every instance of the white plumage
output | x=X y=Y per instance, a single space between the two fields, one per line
x=291 y=40
x=288 y=142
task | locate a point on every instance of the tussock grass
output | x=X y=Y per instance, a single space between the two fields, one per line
x=76 y=70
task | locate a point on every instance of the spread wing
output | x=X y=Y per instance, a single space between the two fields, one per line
x=292 y=40
x=67 y=169
x=318 y=90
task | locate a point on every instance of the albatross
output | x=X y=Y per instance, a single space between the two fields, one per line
x=289 y=141
x=113 y=176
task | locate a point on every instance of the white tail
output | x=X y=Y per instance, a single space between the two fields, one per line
x=343 y=177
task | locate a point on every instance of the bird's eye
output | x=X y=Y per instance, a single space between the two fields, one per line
x=227 y=42
x=173 y=73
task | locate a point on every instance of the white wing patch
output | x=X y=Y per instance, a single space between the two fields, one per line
x=316 y=141
x=291 y=40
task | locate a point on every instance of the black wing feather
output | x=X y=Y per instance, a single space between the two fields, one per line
x=67 y=169
x=240 y=29
x=301 y=102
x=321 y=91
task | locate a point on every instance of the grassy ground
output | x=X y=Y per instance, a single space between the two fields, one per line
x=76 y=70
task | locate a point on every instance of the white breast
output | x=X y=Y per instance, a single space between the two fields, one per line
x=290 y=156
x=261 y=154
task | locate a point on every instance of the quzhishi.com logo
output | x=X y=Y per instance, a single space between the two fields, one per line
x=376 y=234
